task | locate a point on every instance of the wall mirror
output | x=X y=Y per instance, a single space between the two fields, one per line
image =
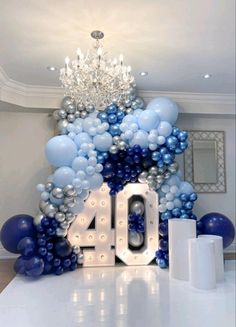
x=204 y=161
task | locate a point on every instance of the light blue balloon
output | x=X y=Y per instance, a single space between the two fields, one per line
x=83 y=195
x=148 y=120
x=82 y=138
x=137 y=112
x=164 y=128
x=40 y=187
x=103 y=142
x=79 y=206
x=173 y=180
x=55 y=200
x=95 y=181
x=185 y=187
x=79 y=163
x=129 y=119
x=140 y=138
x=166 y=109
x=60 y=151
x=63 y=176
x=87 y=124
x=44 y=196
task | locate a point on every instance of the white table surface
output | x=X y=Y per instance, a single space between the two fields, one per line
x=117 y=296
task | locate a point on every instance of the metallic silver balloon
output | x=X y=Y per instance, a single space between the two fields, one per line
x=80 y=259
x=77 y=114
x=80 y=107
x=152 y=185
x=60 y=217
x=140 y=102
x=122 y=145
x=134 y=105
x=63 y=208
x=129 y=110
x=71 y=108
x=42 y=205
x=64 y=225
x=70 y=217
x=76 y=249
x=62 y=125
x=38 y=218
x=167 y=175
x=137 y=207
x=160 y=179
x=62 y=113
x=150 y=178
x=113 y=149
x=69 y=190
x=50 y=210
x=56 y=115
x=127 y=103
x=90 y=108
x=153 y=170
x=122 y=108
x=142 y=178
x=66 y=101
x=71 y=118
x=61 y=232
x=135 y=239
x=116 y=139
x=83 y=114
x=57 y=192
x=49 y=186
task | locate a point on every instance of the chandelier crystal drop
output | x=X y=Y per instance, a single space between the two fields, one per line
x=93 y=79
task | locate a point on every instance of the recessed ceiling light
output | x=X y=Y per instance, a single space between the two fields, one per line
x=51 y=68
x=143 y=73
x=206 y=76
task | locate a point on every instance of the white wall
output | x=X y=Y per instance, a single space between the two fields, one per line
x=23 y=136
x=218 y=202
x=22 y=161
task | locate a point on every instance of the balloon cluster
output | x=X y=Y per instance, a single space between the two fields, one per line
x=41 y=251
x=123 y=144
x=136 y=225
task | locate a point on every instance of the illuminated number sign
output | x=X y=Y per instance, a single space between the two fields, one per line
x=92 y=229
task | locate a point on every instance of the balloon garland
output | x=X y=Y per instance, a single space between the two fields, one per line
x=123 y=144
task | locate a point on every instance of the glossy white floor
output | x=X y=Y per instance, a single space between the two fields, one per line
x=119 y=297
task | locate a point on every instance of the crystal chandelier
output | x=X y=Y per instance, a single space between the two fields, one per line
x=94 y=79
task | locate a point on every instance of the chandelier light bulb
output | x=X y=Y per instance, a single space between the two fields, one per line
x=94 y=79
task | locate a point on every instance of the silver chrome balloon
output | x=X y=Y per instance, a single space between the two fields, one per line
x=142 y=178
x=137 y=207
x=66 y=101
x=69 y=190
x=61 y=232
x=90 y=108
x=83 y=114
x=50 y=210
x=80 y=107
x=49 y=186
x=62 y=125
x=64 y=225
x=60 y=217
x=113 y=149
x=62 y=113
x=76 y=249
x=38 y=218
x=63 y=208
x=71 y=108
x=135 y=239
x=71 y=118
x=153 y=170
x=70 y=217
x=57 y=192
x=80 y=259
x=56 y=115
x=43 y=204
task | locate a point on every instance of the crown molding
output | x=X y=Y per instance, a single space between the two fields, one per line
x=36 y=96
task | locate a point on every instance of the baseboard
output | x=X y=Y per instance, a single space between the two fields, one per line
x=4 y=254
x=231 y=248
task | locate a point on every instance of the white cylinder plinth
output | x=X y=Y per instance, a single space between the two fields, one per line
x=219 y=256
x=202 y=273
x=180 y=231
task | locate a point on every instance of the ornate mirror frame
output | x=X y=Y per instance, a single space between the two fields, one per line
x=219 y=138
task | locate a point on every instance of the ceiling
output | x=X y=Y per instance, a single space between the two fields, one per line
x=177 y=42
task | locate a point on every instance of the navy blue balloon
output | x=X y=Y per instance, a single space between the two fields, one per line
x=19 y=265
x=62 y=247
x=14 y=230
x=163 y=245
x=26 y=246
x=34 y=267
x=163 y=228
x=216 y=223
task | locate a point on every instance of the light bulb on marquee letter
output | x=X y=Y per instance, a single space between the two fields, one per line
x=102 y=238
x=147 y=253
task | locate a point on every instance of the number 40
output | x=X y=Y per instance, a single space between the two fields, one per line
x=101 y=244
